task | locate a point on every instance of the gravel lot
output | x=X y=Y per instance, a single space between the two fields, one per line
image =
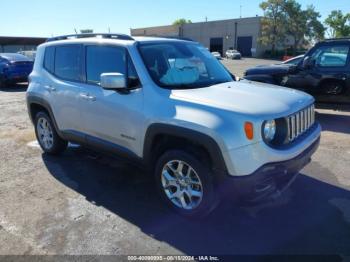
x=83 y=203
x=237 y=67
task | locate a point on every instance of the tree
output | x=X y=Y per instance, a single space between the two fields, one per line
x=272 y=24
x=182 y=21
x=316 y=29
x=302 y=24
x=338 y=24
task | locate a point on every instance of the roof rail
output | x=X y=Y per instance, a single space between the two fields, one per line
x=340 y=38
x=101 y=35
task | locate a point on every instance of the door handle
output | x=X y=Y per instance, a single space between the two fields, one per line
x=91 y=98
x=50 y=88
x=87 y=97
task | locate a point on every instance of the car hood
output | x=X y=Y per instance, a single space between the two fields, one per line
x=270 y=69
x=246 y=97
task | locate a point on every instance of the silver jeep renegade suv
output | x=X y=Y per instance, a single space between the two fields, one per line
x=171 y=106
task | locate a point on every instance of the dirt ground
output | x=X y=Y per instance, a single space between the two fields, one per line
x=83 y=203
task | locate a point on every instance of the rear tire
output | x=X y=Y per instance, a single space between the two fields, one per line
x=47 y=136
x=2 y=82
x=185 y=184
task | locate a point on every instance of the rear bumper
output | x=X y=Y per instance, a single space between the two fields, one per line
x=16 y=76
x=269 y=181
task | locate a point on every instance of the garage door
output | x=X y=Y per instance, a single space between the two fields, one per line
x=216 y=45
x=244 y=45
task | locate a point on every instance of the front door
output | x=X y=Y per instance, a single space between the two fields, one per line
x=327 y=77
x=112 y=119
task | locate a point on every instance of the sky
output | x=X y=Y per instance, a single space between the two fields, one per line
x=58 y=17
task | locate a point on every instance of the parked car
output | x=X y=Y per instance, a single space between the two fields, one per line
x=29 y=54
x=233 y=54
x=324 y=72
x=203 y=135
x=217 y=55
x=14 y=68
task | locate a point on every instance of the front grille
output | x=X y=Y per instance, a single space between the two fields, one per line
x=300 y=122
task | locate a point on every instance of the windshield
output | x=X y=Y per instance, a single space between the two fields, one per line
x=182 y=65
x=294 y=61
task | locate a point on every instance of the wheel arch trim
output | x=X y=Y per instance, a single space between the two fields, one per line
x=197 y=137
x=36 y=100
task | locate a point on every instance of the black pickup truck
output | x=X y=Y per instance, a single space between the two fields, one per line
x=324 y=72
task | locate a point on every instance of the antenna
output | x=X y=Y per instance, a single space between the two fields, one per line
x=240 y=11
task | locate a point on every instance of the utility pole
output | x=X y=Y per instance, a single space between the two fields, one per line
x=206 y=19
x=240 y=11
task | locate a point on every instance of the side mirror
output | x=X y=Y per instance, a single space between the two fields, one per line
x=113 y=81
x=308 y=63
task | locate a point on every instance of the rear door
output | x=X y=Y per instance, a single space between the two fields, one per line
x=63 y=65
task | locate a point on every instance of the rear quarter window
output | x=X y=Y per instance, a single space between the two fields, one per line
x=49 y=59
x=68 y=62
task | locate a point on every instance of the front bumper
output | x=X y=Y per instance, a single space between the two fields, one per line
x=269 y=181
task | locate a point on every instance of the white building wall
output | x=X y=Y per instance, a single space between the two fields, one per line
x=203 y=31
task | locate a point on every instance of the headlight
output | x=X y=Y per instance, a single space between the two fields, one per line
x=269 y=130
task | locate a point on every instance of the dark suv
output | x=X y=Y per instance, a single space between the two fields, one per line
x=324 y=72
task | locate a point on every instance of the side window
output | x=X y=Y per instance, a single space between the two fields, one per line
x=49 y=59
x=67 y=62
x=332 y=56
x=104 y=59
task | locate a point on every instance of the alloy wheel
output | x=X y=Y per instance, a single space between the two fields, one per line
x=182 y=184
x=45 y=133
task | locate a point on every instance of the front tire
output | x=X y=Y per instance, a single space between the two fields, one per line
x=47 y=136
x=332 y=88
x=185 y=184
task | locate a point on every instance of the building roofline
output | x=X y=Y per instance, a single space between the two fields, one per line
x=200 y=22
x=23 y=37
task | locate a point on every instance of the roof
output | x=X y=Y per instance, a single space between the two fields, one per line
x=158 y=39
x=91 y=35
